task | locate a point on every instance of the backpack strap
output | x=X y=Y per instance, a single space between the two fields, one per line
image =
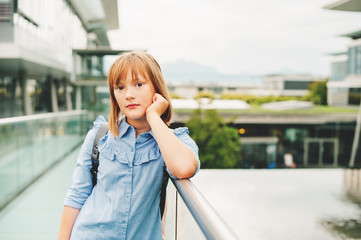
x=163 y=191
x=102 y=131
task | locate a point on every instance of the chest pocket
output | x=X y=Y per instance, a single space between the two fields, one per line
x=145 y=157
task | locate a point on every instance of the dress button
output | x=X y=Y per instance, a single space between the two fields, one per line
x=123 y=221
x=129 y=170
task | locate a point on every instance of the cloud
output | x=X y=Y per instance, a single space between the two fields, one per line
x=233 y=37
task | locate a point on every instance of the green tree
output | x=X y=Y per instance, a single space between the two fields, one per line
x=318 y=93
x=205 y=94
x=219 y=144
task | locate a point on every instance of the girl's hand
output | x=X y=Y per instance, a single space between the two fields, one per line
x=159 y=105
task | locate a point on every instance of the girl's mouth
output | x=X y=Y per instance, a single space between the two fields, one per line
x=131 y=106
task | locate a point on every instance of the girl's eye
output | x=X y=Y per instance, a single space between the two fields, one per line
x=139 y=84
x=120 y=88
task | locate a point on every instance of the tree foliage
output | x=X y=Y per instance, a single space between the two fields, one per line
x=219 y=144
x=258 y=100
x=318 y=93
x=205 y=94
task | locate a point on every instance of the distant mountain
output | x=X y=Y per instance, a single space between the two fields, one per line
x=191 y=72
x=286 y=71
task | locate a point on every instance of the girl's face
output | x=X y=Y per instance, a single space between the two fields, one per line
x=134 y=96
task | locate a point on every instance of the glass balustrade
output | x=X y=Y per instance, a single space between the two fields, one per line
x=179 y=223
x=189 y=216
x=30 y=145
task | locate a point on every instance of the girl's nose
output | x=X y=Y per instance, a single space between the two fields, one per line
x=129 y=94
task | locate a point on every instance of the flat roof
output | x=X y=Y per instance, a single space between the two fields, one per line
x=278 y=119
x=353 y=35
x=345 y=5
x=337 y=53
x=99 y=51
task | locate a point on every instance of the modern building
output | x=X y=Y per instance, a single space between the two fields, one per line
x=277 y=85
x=344 y=86
x=192 y=90
x=288 y=84
x=36 y=50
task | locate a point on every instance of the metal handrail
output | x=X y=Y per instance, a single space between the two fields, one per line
x=211 y=224
x=35 y=117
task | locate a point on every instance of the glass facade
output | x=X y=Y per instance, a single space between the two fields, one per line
x=354 y=96
x=339 y=71
x=53 y=22
x=36 y=91
x=296 y=85
x=311 y=145
x=6 y=10
x=10 y=97
x=38 y=82
x=354 y=54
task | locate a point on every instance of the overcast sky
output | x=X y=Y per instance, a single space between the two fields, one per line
x=237 y=36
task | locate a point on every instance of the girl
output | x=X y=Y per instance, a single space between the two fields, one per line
x=124 y=204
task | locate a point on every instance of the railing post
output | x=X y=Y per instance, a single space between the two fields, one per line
x=211 y=224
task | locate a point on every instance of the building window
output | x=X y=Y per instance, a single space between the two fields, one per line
x=10 y=97
x=354 y=96
x=338 y=71
x=6 y=11
x=294 y=85
x=358 y=60
x=355 y=60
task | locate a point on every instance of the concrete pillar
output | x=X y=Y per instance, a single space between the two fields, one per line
x=320 y=153
x=335 y=152
x=68 y=102
x=27 y=106
x=13 y=106
x=305 y=151
x=337 y=96
x=78 y=98
x=352 y=178
x=95 y=101
x=53 y=95
x=356 y=138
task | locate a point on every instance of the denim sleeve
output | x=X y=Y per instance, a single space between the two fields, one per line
x=82 y=184
x=182 y=134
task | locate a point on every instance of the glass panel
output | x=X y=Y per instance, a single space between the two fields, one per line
x=170 y=212
x=180 y=223
x=29 y=147
x=187 y=227
x=313 y=152
x=328 y=153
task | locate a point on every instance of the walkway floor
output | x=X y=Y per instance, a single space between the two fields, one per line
x=36 y=213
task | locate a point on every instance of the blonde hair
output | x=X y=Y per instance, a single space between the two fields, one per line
x=139 y=63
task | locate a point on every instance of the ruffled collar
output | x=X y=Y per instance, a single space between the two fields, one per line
x=124 y=126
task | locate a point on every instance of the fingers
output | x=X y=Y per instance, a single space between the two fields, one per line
x=159 y=105
x=157 y=96
x=160 y=99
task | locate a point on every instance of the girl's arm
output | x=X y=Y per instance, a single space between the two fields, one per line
x=81 y=186
x=67 y=222
x=178 y=157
